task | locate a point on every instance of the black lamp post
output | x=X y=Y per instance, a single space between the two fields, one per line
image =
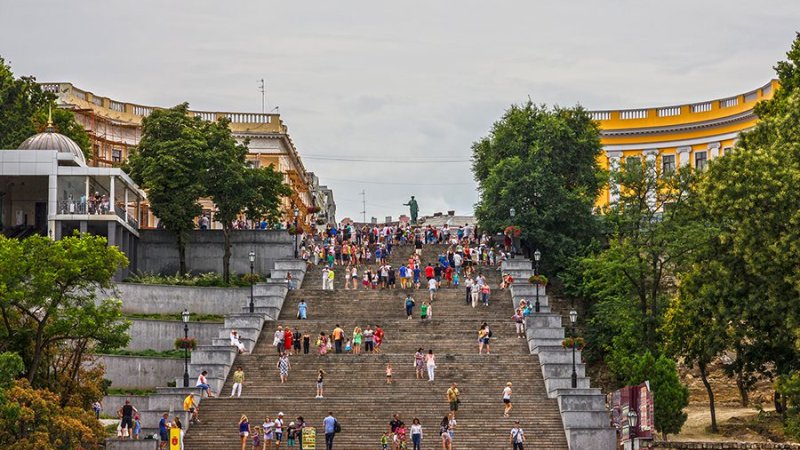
x=512 y=212
x=185 y=318
x=252 y=256
x=296 y=230
x=573 y=317
x=536 y=256
x=633 y=420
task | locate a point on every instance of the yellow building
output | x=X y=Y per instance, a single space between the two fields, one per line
x=115 y=127
x=676 y=136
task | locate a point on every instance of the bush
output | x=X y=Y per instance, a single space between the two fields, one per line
x=185 y=343
x=579 y=343
x=669 y=394
x=149 y=353
x=209 y=279
x=540 y=279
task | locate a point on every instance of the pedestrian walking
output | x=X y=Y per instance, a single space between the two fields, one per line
x=409 y=302
x=278 y=431
x=338 y=338
x=430 y=363
x=507 y=399
x=483 y=339
x=320 y=383
x=322 y=344
x=517 y=437
x=283 y=367
x=419 y=363
x=330 y=425
x=452 y=398
x=358 y=336
x=369 y=336
x=296 y=340
x=268 y=432
x=244 y=431
x=302 y=310
x=238 y=380
x=444 y=432
x=277 y=339
x=416 y=434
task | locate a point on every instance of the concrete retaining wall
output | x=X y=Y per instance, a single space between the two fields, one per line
x=128 y=444
x=163 y=299
x=725 y=445
x=158 y=251
x=161 y=334
x=137 y=372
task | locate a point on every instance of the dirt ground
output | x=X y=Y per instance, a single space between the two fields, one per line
x=729 y=418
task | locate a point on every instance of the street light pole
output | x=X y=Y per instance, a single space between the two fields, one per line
x=573 y=317
x=252 y=256
x=536 y=256
x=633 y=419
x=185 y=318
x=296 y=230
x=512 y=212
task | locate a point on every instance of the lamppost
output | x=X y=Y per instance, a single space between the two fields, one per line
x=512 y=212
x=633 y=420
x=252 y=256
x=536 y=256
x=185 y=318
x=296 y=230
x=573 y=317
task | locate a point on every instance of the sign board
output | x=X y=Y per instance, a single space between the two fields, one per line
x=309 y=438
x=633 y=398
x=174 y=439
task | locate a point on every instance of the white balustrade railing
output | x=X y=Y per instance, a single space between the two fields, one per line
x=633 y=114
x=600 y=115
x=701 y=107
x=728 y=102
x=117 y=106
x=143 y=111
x=669 y=111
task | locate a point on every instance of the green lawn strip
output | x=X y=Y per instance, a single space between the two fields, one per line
x=177 y=317
x=146 y=353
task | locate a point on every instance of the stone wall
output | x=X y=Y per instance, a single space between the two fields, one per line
x=137 y=372
x=161 y=299
x=725 y=445
x=161 y=334
x=158 y=251
x=128 y=444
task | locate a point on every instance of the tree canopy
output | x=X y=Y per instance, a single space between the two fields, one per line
x=544 y=163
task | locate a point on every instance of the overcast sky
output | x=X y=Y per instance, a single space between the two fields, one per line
x=376 y=80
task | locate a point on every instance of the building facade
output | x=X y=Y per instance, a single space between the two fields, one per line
x=676 y=136
x=115 y=127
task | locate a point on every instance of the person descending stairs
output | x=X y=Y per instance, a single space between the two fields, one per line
x=364 y=389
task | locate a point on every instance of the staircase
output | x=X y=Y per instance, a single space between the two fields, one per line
x=355 y=385
x=583 y=409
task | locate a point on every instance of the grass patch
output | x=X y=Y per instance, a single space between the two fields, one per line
x=177 y=317
x=210 y=279
x=147 y=353
x=111 y=430
x=121 y=391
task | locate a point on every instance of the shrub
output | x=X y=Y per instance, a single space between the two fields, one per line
x=538 y=279
x=185 y=343
x=579 y=343
x=209 y=279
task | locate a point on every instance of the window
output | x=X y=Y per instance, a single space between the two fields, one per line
x=633 y=163
x=700 y=160
x=667 y=165
x=116 y=155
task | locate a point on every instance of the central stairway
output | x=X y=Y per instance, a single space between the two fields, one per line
x=355 y=385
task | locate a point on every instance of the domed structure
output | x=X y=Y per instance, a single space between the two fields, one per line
x=50 y=140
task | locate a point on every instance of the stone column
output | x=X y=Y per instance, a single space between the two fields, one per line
x=614 y=157
x=111 y=235
x=112 y=193
x=650 y=156
x=683 y=156
x=84 y=226
x=713 y=150
x=52 y=206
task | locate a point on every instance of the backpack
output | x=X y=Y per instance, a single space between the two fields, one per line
x=336 y=427
x=490 y=332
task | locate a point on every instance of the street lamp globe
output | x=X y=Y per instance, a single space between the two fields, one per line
x=573 y=316
x=633 y=418
x=537 y=255
x=252 y=256
x=185 y=316
x=296 y=212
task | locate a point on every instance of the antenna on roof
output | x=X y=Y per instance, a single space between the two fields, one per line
x=262 y=90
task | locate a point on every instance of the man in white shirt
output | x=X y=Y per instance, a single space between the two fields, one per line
x=432 y=287
x=278 y=430
x=517 y=437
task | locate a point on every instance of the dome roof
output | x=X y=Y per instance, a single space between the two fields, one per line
x=50 y=140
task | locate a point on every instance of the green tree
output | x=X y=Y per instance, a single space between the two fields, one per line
x=48 y=301
x=169 y=163
x=669 y=395
x=543 y=163
x=268 y=190
x=24 y=108
x=753 y=197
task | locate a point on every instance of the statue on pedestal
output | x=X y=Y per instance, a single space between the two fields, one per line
x=412 y=205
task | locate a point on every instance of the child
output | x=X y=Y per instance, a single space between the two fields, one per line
x=385 y=440
x=388 y=373
x=291 y=433
x=424 y=311
x=455 y=279
x=137 y=427
x=375 y=280
x=347 y=346
x=256 y=440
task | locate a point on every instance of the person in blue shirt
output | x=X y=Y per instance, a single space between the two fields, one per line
x=329 y=423
x=403 y=272
x=417 y=272
x=163 y=430
x=302 y=310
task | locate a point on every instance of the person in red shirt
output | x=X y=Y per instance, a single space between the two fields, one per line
x=429 y=271
x=448 y=275
x=378 y=338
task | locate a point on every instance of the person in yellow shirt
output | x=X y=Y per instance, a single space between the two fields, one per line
x=452 y=398
x=338 y=338
x=190 y=406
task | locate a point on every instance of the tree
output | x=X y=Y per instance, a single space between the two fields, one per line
x=48 y=301
x=32 y=419
x=24 y=109
x=268 y=190
x=669 y=395
x=543 y=163
x=169 y=163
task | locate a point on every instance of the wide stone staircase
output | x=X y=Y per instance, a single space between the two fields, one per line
x=355 y=385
